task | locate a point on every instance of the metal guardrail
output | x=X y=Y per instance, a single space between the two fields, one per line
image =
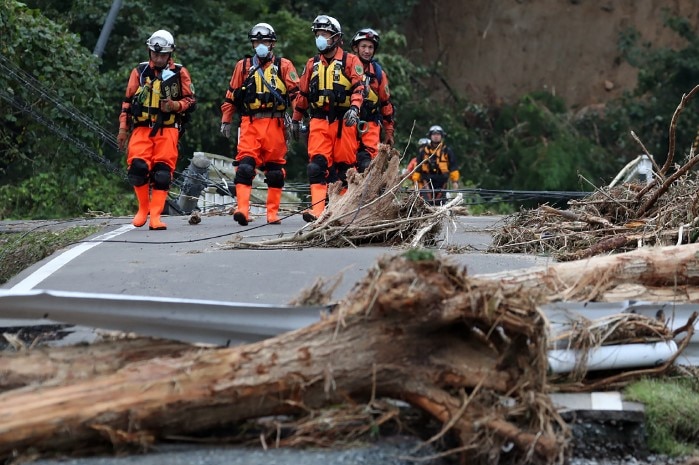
x=232 y=323
x=562 y=314
x=189 y=320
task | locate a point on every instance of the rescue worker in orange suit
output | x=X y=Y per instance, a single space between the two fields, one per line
x=376 y=111
x=331 y=93
x=408 y=171
x=439 y=166
x=158 y=93
x=261 y=89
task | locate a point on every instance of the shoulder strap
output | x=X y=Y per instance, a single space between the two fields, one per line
x=377 y=70
x=274 y=93
x=141 y=69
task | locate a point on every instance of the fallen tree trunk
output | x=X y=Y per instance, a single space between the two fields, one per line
x=671 y=267
x=410 y=333
x=471 y=351
x=54 y=366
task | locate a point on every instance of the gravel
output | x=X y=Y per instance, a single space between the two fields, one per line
x=394 y=450
x=389 y=451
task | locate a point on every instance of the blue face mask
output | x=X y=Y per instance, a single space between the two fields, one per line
x=321 y=43
x=262 y=51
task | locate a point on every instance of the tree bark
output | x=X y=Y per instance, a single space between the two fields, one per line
x=53 y=366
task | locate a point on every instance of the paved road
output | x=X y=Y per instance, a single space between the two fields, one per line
x=190 y=261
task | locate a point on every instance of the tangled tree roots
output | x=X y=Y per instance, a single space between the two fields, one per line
x=471 y=353
x=372 y=210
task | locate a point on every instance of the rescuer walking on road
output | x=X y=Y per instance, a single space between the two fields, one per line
x=261 y=89
x=377 y=111
x=158 y=94
x=331 y=93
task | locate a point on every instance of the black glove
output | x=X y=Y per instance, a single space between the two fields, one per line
x=226 y=130
x=352 y=116
x=296 y=130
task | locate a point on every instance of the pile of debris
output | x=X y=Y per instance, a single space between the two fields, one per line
x=614 y=219
x=373 y=209
x=469 y=351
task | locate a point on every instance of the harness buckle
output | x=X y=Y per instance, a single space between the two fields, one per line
x=362 y=127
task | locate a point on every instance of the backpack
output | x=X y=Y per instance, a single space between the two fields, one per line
x=379 y=71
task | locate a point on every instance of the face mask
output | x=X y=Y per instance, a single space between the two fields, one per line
x=321 y=43
x=262 y=50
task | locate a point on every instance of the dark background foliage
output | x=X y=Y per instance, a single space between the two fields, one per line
x=51 y=165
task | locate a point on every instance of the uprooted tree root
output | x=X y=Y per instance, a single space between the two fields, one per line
x=614 y=219
x=372 y=210
x=472 y=354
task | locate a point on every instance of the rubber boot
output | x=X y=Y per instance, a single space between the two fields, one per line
x=318 y=194
x=274 y=197
x=143 y=196
x=157 y=205
x=242 y=211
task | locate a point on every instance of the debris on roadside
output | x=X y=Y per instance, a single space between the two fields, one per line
x=372 y=210
x=468 y=351
x=614 y=219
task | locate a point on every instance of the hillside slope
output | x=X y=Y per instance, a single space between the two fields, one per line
x=502 y=49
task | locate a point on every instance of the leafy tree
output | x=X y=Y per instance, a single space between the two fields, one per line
x=533 y=143
x=62 y=85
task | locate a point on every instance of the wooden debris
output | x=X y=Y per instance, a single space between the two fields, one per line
x=373 y=210
x=613 y=219
x=470 y=351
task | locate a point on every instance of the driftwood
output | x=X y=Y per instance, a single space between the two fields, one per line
x=470 y=351
x=53 y=366
x=614 y=219
x=373 y=209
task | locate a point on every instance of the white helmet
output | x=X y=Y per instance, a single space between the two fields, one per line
x=161 y=42
x=436 y=129
x=326 y=23
x=423 y=141
x=262 y=31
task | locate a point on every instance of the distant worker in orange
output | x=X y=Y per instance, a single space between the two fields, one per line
x=261 y=90
x=408 y=171
x=158 y=94
x=331 y=93
x=439 y=166
x=377 y=111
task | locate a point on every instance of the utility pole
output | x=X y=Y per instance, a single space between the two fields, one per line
x=107 y=28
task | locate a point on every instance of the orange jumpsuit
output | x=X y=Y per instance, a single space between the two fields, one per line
x=328 y=87
x=377 y=111
x=262 y=144
x=439 y=167
x=152 y=150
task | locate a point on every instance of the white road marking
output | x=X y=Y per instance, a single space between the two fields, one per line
x=57 y=263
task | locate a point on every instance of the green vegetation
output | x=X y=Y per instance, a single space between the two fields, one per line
x=533 y=143
x=20 y=250
x=419 y=255
x=672 y=411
